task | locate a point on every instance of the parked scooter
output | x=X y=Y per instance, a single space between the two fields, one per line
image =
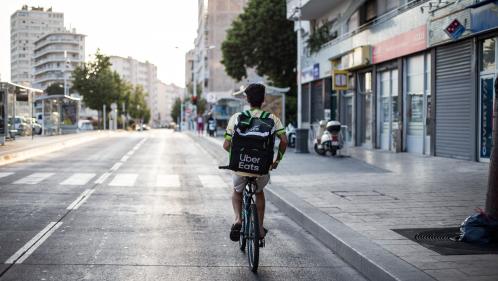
x=329 y=138
x=290 y=131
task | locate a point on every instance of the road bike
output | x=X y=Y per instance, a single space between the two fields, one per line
x=249 y=233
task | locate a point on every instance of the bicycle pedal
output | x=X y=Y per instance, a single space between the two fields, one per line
x=262 y=243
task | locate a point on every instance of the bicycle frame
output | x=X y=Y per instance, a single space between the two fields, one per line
x=247 y=200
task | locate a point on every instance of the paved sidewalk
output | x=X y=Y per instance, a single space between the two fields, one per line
x=23 y=148
x=373 y=192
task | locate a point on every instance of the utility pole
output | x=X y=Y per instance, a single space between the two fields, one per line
x=492 y=196
x=104 y=116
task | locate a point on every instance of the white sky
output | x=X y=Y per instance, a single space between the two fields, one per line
x=160 y=31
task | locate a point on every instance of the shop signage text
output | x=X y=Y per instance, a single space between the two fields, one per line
x=310 y=73
x=401 y=45
x=340 y=80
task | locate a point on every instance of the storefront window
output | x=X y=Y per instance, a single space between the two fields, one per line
x=488 y=58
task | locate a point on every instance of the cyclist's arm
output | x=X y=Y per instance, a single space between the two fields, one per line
x=282 y=147
x=226 y=145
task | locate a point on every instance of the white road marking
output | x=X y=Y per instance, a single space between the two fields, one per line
x=86 y=196
x=103 y=177
x=78 y=179
x=124 y=158
x=124 y=180
x=210 y=181
x=116 y=166
x=75 y=202
x=28 y=248
x=34 y=178
x=3 y=175
x=168 y=181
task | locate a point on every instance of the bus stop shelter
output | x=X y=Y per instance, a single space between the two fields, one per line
x=15 y=101
x=57 y=114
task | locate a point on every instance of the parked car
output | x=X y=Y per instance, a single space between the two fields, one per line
x=85 y=125
x=35 y=127
x=22 y=126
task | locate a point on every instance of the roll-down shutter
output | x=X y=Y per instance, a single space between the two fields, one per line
x=454 y=100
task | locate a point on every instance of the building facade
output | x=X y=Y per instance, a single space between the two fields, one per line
x=140 y=73
x=56 y=55
x=167 y=94
x=27 y=25
x=403 y=76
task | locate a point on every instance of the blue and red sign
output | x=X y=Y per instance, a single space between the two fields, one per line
x=455 y=29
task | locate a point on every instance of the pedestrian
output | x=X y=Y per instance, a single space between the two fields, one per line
x=200 y=125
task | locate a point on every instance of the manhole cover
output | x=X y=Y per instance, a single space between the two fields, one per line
x=444 y=241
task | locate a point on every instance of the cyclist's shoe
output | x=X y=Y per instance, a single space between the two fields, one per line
x=235 y=232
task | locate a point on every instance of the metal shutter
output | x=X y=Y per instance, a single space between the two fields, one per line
x=454 y=100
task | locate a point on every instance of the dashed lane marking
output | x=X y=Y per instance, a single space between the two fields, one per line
x=84 y=199
x=78 y=179
x=75 y=202
x=124 y=180
x=3 y=175
x=34 y=178
x=102 y=178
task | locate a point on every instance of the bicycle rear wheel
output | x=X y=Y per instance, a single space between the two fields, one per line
x=253 y=239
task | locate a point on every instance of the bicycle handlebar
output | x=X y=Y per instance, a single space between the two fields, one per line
x=224 y=167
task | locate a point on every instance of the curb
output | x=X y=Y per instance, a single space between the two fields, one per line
x=370 y=259
x=24 y=154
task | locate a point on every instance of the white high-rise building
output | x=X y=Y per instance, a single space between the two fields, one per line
x=139 y=73
x=56 y=55
x=26 y=26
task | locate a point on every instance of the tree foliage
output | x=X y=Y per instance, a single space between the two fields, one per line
x=176 y=110
x=55 y=89
x=99 y=86
x=262 y=38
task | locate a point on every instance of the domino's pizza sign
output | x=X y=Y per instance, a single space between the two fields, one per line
x=455 y=29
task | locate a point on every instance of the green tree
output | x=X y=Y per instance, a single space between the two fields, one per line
x=137 y=107
x=55 y=89
x=97 y=83
x=176 y=110
x=262 y=38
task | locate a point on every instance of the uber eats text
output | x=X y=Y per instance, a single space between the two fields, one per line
x=249 y=163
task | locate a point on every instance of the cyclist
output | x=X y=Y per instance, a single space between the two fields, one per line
x=255 y=95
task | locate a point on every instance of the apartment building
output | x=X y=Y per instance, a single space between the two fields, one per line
x=55 y=56
x=167 y=94
x=403 y=76
x=139 y=73
x=27 y=25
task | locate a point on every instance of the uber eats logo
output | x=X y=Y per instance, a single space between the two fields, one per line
x=249 y=163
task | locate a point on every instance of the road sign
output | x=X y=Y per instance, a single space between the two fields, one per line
x=340 y=80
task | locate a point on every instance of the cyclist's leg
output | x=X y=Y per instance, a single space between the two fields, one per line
x=261 y=202
x=239 y=184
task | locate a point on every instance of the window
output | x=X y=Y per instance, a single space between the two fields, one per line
x=368 y=12
x=488 y=58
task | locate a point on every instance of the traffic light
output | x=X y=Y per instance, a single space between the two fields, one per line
x=194 y=100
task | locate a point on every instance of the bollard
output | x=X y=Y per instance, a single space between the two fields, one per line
x=302 y=140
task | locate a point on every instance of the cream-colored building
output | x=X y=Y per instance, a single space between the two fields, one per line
x=139 y=73
x=215 y=18
x=56 y=55
x=167 y=94
x=27 y=25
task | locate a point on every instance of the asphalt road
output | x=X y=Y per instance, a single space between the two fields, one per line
x=140 y=206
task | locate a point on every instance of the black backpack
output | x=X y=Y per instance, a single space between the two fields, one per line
x=252 y=144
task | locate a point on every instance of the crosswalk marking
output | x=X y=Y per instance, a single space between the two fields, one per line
x=34 y=178
x=168 y=181
x=3 y=175
x=210 y=181
x=124 y=180
x=78 y=179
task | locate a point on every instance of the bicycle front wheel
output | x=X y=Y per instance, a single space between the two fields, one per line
x=242 y=240
x=253 y=239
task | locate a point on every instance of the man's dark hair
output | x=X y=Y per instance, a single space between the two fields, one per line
x=255 y=94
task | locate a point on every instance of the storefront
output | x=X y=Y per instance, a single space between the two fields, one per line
x=487 y=97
